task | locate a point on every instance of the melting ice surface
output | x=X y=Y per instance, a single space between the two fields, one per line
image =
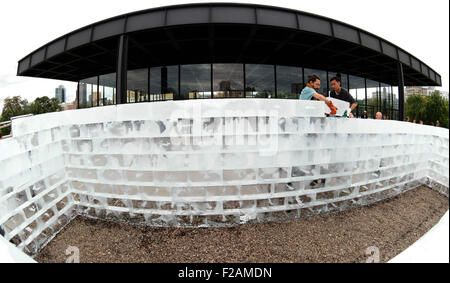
x=205 y=163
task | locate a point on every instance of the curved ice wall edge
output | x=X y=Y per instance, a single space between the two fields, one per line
x=129 y=162
x=164 y=109
x=214 y=107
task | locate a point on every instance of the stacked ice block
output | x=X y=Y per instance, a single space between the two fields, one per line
x=205 y=163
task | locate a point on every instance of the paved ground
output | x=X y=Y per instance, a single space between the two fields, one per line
x=392 y=226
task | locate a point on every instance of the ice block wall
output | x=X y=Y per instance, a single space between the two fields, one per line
x=205 y=163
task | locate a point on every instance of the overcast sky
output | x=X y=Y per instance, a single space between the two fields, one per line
x=420 y=27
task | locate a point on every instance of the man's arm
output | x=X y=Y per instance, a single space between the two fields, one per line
x=318 y=96
x=350 y=99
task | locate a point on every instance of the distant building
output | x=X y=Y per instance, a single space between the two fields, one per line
x=225 y=86
x=226 y=91
x=69 y=105
x=60 y=94
x=431 y=89
x=444 y=94
x=423 y=91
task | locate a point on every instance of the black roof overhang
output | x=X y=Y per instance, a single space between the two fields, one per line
x=225 y=33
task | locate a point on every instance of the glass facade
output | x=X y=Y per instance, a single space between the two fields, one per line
x=107 y=89
x=156 y=92
x=195 y=81
x=137 y=85
x=386 y=100
x=357 y=89
x=88 y=92
x=212 y=81
x=373 y=93
x=289 y=82
x=170 y=85
x=259 y=81
x=395 y=114
x=228 y=80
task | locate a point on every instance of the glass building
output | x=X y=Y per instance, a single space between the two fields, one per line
x=220 y=51
x=180 y=82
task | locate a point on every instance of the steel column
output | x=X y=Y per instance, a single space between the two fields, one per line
x=164 y=83
x=401 y=92
x=365 y=95
x=78 y=95
x=122 y=66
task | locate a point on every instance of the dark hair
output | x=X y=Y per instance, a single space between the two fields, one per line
x=338 y=79
x=313 y=78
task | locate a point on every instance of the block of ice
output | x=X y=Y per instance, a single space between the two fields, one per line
x=187 y=162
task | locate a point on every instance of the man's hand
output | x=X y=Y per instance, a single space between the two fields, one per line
x=332 y=107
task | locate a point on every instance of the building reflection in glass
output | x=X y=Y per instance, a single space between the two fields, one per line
x=209 y=81
x=289 y=82
x=137 y=85
x=228 y=80
x=259 y=81
x=195 y=81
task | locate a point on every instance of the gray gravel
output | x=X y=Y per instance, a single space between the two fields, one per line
x=391 y=225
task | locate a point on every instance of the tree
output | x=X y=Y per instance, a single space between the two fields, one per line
x=436 y=108
x=14 y=106
x=429 y=109
x=45 y=105
x=415 y=107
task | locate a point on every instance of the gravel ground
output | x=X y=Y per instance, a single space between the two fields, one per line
x=391 y=225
